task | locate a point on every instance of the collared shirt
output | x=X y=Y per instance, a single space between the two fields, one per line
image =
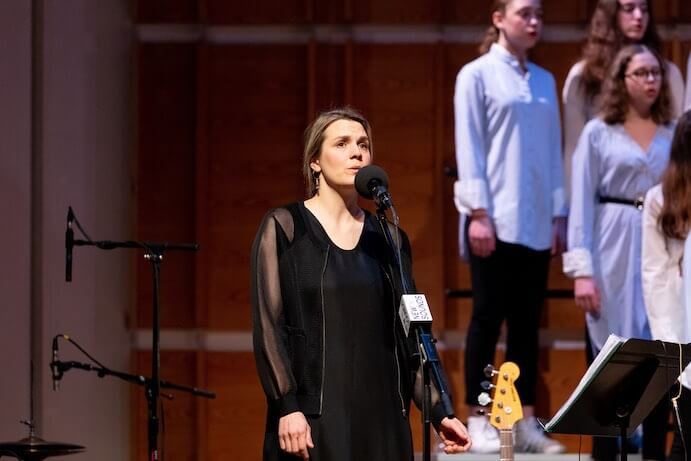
x=508 y=147
x=666 y=279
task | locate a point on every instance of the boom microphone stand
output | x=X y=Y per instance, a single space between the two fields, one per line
x=153 y=252
x=426 y=349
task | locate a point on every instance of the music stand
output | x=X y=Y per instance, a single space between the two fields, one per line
x=621 y=388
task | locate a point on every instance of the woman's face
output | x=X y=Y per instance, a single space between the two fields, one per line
x=633 y=18
x=643 y=79
x=344 y=151
x=520 y=23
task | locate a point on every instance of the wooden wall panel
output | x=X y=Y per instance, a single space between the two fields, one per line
x=236 y=418
x=574 y=11
x=165 y=11
x=399 y=100
x=684 y=10
x=329 y=77
x=457 y=271
x=165 y=189
x=399 y=12
x=466 y=12
x=178 y=441
x=331 y=12
x=256 y=12
x=663 y=11
x=256 y=116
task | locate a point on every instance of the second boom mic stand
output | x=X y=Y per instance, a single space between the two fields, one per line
x=154 y=254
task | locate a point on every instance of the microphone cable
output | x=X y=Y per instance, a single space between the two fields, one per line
x=81 y=349
x=397 y=243
x=675 y=405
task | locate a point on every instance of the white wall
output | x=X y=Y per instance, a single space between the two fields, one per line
x=15 y=208
x=84 y=160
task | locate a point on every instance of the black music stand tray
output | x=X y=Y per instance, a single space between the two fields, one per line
x=621 y=388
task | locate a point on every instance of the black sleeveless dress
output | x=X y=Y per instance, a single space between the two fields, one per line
x=362 y=415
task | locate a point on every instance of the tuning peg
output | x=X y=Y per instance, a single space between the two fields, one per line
x=490 y=371
x=486 y=385
x=484 y=399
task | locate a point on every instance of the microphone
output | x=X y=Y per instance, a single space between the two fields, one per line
x=414 y=312
x=69 y=244
x=415 y=315
x=54 y=365
x=372 y=183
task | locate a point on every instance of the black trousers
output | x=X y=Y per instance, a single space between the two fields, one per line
x=510 y=286
x=678 y=449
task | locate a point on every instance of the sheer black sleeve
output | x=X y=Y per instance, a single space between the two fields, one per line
x=268 y=316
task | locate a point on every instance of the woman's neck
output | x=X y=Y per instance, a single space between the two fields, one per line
x=335 y=205
x=519 y=53
x=638 y=113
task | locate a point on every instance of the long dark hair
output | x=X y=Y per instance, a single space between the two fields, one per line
x=675 y=216
x=605 y=39
x=615 y=97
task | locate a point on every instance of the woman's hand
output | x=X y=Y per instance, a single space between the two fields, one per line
x=294 y=434
x=558 y=235
x=454 y=436
x=587 y=295
x=481 y=234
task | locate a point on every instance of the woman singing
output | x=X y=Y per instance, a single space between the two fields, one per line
x=330 y=351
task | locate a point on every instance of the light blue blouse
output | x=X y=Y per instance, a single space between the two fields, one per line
x=604 y=240
x=508 y=148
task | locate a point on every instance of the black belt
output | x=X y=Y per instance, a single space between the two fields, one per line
x=637 y=203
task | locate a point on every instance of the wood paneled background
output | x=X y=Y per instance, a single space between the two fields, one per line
x=223 y=93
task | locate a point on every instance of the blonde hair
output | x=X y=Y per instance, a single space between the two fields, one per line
x=492 y=33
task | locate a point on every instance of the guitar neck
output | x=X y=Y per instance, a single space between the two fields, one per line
x=506 y=445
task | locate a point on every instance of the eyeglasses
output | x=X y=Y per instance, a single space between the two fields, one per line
x=629 y=8
x=642 y=74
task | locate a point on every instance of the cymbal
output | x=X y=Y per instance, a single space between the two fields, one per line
x=34 y=448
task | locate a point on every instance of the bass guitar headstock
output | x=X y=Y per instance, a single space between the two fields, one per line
x=505 y=408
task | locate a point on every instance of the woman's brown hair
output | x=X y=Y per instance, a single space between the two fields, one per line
x=675 y=216
x=615 y=97
x=605 y=39
x=314 y=138
x=492 y=33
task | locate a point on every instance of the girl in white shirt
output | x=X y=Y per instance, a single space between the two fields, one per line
x=510 y=195
x=666 y=263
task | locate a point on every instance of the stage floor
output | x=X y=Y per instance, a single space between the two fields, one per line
x=518 y=457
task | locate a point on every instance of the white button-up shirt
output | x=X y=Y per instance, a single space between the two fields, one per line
x=508 y=147
x=666 y=279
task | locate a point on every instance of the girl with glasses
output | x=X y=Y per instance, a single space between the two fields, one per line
x=615 y=23
x=620 y=155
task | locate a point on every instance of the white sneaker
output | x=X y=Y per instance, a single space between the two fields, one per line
x=530 y=438
x=485 y=438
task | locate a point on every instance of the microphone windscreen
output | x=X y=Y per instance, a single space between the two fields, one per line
x=365 y=177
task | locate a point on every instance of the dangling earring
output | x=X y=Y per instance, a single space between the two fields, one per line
x=315 y=179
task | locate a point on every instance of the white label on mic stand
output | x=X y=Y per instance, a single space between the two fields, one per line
x=414 y=310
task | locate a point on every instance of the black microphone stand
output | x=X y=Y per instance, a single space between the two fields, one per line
x=63 y=366
x=154 y=254
x=426 y=350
